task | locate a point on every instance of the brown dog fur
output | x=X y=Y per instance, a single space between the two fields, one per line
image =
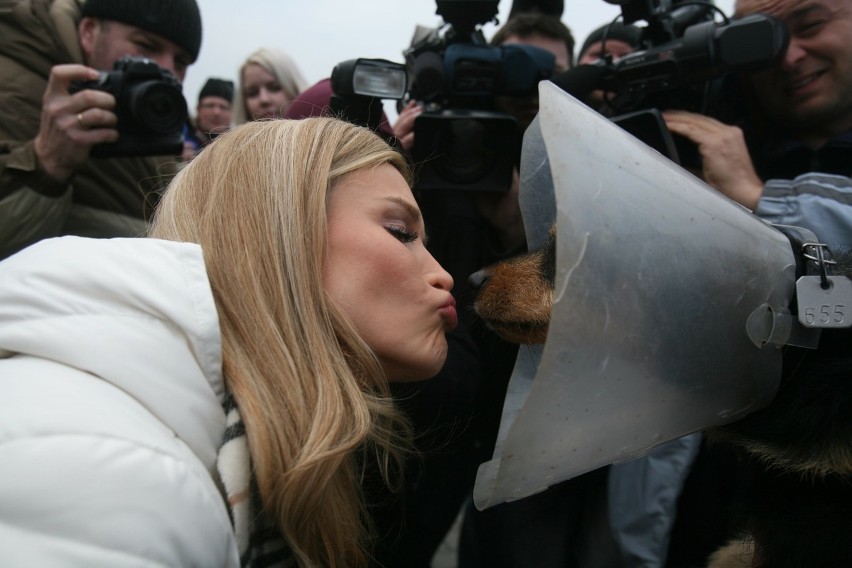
x=515 y=297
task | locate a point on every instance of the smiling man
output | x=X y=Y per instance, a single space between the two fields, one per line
x=49 y=184
x=810 y=92
x=799 y=128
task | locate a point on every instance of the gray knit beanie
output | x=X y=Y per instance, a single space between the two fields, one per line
x=214 y=87
x=629 y=34
x=176 y=20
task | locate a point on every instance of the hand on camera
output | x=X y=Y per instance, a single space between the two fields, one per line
x=726 y=164
x=403 y=128
x=72 y=124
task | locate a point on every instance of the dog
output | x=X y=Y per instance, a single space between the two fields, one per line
x=515 y=297
x=797 y=450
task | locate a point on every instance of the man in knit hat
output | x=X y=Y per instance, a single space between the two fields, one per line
x=49 y=184
x=212 y=115
x=614 y=40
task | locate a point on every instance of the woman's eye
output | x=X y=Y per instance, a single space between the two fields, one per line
x=402 y=234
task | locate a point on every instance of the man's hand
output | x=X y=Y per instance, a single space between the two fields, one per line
x=726 y=164
x=403 y=128
x=72 y=124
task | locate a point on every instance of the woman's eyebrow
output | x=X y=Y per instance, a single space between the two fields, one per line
x=411 y=209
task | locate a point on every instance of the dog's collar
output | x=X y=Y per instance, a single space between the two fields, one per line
x=820 y=299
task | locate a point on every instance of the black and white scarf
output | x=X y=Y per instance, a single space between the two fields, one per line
x=259 y=542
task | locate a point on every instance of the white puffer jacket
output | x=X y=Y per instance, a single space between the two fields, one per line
x=111 y=413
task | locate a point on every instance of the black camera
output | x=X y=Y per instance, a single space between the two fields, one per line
x=684 y=51
x=149 y=105
x=461 y=140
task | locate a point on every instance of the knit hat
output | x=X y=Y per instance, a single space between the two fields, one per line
x=616 y=30
x=176 y=20
x=222 y=88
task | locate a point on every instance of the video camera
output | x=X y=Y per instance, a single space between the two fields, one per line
x=149 y=105
x=460 y=140
x=683 y=51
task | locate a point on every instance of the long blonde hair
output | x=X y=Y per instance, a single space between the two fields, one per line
x=277 y=63
x=311 y=392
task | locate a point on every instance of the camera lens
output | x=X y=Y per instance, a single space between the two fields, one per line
x=465 y=155
x=158 y=106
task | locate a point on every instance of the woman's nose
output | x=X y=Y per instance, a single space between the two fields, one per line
x=437 y=276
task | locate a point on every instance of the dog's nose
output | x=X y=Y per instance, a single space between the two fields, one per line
x=478 y=279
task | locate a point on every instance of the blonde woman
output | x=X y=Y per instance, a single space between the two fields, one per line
x=269 y=80
x=209 y=396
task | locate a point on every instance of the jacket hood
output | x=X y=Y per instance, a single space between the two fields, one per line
x=41 y=33
x=138 y=313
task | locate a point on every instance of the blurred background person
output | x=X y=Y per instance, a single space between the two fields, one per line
x=538 y=30
x=275 y=261
x=213 y=115
x=269 y=79
x=49 y=183
x=621 y=39
x=614 y=40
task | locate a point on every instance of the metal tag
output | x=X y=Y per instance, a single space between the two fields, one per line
x=824 y=307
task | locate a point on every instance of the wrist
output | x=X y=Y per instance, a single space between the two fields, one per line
x=751 y=193
x=47 y=169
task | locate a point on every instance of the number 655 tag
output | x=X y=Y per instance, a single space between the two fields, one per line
x=824 y=307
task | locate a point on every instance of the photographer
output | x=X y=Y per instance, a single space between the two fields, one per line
x=791 y=161
x=49 y=185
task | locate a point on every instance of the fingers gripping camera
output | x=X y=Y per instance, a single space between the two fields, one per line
x=150 y=107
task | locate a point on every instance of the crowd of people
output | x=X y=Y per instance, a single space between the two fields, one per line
x=247 y=352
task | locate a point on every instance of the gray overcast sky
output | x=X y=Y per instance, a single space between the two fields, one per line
x=321 y=33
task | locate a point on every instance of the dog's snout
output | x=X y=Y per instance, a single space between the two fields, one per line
x=478 y=279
